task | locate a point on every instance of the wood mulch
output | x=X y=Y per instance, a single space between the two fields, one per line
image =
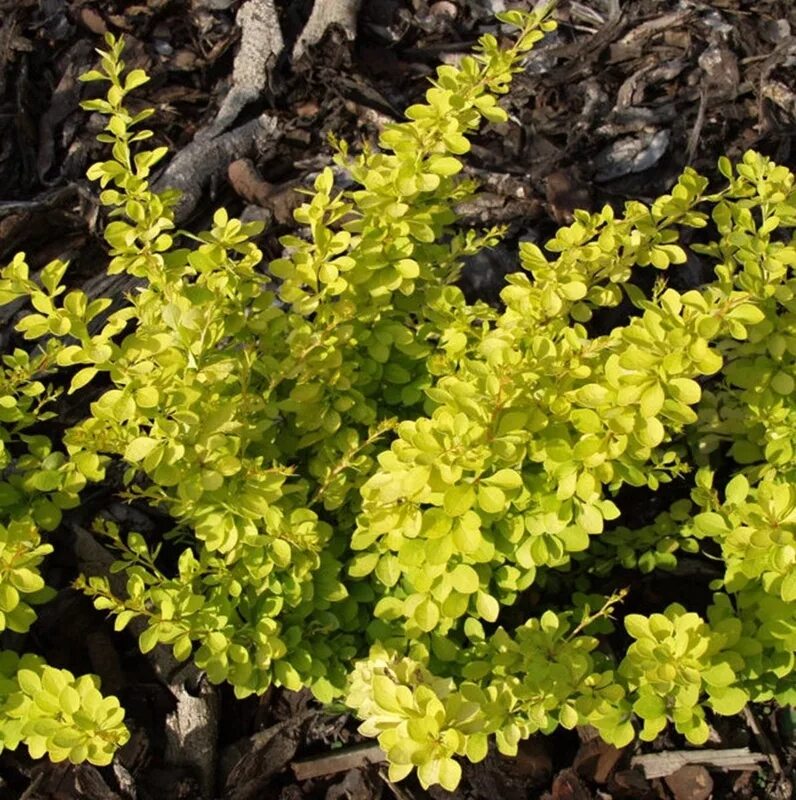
x=610 y=107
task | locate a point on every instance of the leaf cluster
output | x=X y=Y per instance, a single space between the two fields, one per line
x=56 y=714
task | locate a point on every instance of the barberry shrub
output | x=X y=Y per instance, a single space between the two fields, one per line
x=405 y=501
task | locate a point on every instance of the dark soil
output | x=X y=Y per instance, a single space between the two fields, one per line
x=611 y=107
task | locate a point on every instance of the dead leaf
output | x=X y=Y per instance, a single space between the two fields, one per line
x=356 y=785
x=284 y=201
x=568 y=786
x=631 y=154
x=721 y=71
x=247 y=181
x=565 y=194
x=596 y=760
x=307 y=108
x=92 y=20
x=630 y=784
x=690 y=783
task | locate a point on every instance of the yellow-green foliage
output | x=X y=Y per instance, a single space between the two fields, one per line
x=46 y=708
x=365 y=470
x=55 y=714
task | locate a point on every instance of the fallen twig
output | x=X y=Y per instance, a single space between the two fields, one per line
x=261 y=43
x=202 y=159
x=44 y=202
x=399 y=792
x=326 y=13
x=659 y=765
x=338 y=761
x=32 y=787
x=763 y=742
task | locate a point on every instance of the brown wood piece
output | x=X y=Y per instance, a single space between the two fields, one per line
x=338 y=761
x=659 y=765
